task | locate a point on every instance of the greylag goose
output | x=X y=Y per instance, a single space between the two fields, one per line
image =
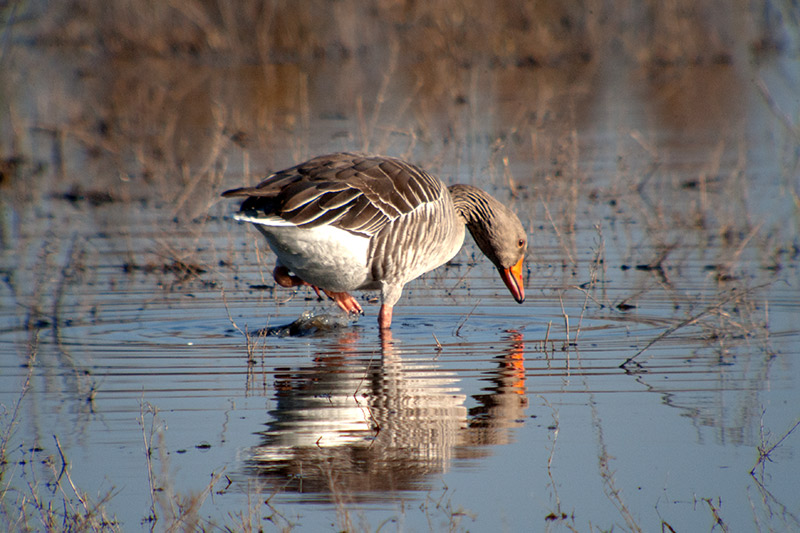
x=344 y=222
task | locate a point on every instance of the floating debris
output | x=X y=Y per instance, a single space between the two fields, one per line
x=309 y=323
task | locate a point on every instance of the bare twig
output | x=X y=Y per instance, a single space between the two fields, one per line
x=689 y=321
x=794 y=129
x=63 y=460
x=554 y=432
x=464 y=320
x=9 y=430
x=558 y=232
x=566 y=325
x=593 y=269
x=764 y=450
x=438 y=344
x=228 y=311
x=547 y=335
x=610 y=488
x=715 y=513
x=148 y=452
x=69 y=478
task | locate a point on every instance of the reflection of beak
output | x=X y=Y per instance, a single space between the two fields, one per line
x=512 y=277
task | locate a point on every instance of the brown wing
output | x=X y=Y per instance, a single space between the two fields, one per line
x=354 y=192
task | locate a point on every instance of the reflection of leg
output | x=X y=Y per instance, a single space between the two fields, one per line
x=388 y=352
x=345 y=301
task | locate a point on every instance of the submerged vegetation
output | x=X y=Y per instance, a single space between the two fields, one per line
x=664 y=240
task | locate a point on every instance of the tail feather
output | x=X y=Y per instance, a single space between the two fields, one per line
x=263 y=220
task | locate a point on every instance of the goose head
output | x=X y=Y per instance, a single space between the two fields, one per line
x=498 y=233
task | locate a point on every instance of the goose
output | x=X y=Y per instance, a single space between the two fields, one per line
x=345 y=221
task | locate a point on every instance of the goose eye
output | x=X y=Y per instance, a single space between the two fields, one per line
x=521 y=243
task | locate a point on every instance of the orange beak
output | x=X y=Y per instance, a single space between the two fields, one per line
x=512 y=277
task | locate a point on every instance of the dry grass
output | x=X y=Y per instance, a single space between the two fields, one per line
x=425 y=54
x=533 y=34
x=54 y=503
x=39 y=494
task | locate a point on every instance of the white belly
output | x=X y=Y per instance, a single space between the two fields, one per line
x=327 y=257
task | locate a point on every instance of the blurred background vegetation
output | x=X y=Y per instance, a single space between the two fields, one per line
x=459 y=33
x=179 y=93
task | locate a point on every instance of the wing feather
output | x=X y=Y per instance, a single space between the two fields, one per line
x=357 y=193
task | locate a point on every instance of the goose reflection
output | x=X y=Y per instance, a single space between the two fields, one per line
x=502 y=404
x=362 y=423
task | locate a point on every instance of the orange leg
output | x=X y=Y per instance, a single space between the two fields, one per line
x=346 y=302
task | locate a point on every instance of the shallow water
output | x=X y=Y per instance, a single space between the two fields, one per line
x=134 y=311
